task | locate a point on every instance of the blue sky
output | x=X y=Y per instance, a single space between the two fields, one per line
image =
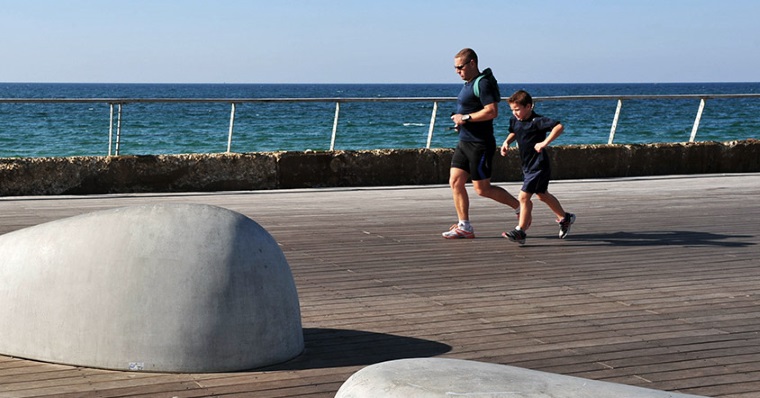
x=389 y=41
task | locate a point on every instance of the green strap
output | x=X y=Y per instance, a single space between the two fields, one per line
x=476 y=86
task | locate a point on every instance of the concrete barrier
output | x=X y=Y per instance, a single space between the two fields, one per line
x=282 y=170
x=168 y=288
x=442 y=378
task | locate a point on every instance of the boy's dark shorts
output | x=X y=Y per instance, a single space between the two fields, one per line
x=536 y=181
x=475 y=158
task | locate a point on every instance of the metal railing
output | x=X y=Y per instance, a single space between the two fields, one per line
x=701 y=97
x=118 y=103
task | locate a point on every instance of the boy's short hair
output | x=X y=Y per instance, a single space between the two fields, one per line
x=467 y=54
x=520 y=97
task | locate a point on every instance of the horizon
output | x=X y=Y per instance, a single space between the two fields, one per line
x=384 y=84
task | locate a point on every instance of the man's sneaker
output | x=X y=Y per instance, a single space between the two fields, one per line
x=456 y=232
x=515 y=235
x=564 y=225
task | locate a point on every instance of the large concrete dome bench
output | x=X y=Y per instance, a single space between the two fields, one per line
x=440 y=377
x=169 y=288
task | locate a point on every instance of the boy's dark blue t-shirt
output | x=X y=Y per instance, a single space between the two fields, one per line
x=528 y=133
x=468 y=102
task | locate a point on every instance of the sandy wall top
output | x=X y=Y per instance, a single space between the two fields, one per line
x=282 y=170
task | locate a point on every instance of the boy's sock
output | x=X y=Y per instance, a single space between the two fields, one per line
x=465 y=225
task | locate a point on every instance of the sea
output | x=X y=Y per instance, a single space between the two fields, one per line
x=84 y=129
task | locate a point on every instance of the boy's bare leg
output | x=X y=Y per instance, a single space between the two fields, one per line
x=526 y=210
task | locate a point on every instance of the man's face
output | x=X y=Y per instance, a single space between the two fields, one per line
x=465 y=68
x=521 y=112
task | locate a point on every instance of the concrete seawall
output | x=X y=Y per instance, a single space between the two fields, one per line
x=282 y=170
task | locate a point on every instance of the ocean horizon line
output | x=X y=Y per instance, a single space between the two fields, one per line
x=379 y=83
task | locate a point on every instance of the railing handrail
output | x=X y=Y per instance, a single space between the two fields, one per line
x=223 y=100
x=338 y=100
x=645 y=96
x=366 y=99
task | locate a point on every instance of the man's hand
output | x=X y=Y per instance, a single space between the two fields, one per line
x=457 y=119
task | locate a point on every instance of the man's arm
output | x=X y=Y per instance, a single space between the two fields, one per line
x=489 y=112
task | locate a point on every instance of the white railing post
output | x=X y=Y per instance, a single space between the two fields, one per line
x=232 y=124
x=615 y=121
x=335 y=126
x=697 y=120
x=118 y=130
x=110 y=129
x=432 y=124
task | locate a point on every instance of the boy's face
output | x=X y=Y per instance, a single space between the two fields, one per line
x=521 y=112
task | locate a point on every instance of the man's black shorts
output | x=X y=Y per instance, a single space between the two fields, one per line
x=475 y=158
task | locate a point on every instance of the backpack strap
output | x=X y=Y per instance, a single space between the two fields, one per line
x=476 y=86
x=493 y=84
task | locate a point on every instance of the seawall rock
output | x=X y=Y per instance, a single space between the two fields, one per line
x=280 y=170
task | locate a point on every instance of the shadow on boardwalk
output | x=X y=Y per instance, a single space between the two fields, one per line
x=666 y=238
x=330 y=348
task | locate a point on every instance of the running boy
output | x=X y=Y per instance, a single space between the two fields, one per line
x=529 y=129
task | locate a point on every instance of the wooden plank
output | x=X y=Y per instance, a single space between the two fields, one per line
x=656 y=286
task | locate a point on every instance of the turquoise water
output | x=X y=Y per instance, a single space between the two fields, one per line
x=39 y=130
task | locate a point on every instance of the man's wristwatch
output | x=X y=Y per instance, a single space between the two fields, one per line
x=466 y=118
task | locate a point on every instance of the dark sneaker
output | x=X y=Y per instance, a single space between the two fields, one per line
x=564 y=225
x=515 y=235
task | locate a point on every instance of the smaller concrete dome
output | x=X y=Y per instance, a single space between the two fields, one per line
x=443 y=378
x=170 y=288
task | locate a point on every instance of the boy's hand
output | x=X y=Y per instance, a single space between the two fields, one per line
x=541 y=145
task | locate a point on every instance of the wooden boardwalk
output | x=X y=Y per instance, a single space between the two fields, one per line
x=657 y=286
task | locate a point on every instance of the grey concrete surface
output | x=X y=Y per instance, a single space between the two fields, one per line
x=163 y=287
x=442 y=377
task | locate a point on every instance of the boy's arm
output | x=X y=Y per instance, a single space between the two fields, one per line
x=556 y=132
x=510 y=139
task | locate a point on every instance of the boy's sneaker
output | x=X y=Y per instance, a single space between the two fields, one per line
x=564 y=225
x=515 y=235
x=457 y=232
